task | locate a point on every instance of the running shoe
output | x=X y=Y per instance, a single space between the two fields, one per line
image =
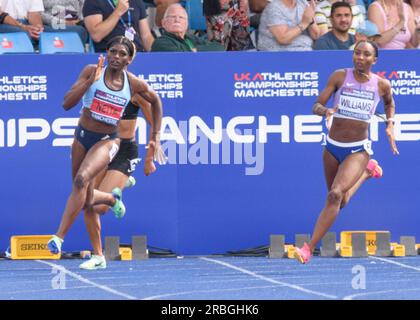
x=119 y=207
x=54 y=245
x=303 y=255
x=131 y=182
x=94 y=263
x=374 y=168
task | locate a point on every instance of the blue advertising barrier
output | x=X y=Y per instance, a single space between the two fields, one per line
x=244 y=149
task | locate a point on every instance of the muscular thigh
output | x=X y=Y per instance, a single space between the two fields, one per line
x=99 y=177
x=113 y=179
x=350 y=171
x=78 y=153
x=330 y=168
x=97 y=158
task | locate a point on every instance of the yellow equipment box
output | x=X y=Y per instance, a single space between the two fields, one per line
x=397 y=250
x=290 y=249
x=126 y=254
x=31 y=247
x=345 y=239
x=345 y=251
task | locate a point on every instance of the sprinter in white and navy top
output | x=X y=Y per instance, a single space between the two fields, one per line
x=120 y=170
x=106 y=92
x=347 y=162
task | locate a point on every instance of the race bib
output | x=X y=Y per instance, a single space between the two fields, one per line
x=107 y=108
x=358 y=104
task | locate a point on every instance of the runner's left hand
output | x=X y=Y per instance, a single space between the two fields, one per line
x=158 y=154
x=154 y=153
x=391 y=138
x=149 y=166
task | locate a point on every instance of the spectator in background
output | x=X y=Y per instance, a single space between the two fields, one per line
x=369 y=31
x=174 y=36
x=323 y=12
x=8 y=24
x=161 y=6
x=338 y=38
x=415 y=6
x=64 y=16
x=105 y=19
x=228 y=23
x=287 y=25
x=22 y=15
x=395 y=22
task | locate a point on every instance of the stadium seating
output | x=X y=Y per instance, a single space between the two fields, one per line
x=60 y=42
x=16 y=42
x=196 y=18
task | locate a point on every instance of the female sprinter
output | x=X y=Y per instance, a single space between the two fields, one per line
x=357 y=92
x=106 y=92
x=120 y=170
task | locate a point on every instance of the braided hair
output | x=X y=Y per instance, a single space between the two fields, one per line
x=372 y=43
x=131 y=47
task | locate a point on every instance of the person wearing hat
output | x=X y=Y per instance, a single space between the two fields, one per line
x=368 y=31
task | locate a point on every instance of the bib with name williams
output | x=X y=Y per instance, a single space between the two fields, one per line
x=355 y=100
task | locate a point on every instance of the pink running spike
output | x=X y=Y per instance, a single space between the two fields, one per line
x=304 y=254
x=374 y=168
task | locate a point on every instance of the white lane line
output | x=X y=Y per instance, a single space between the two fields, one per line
x=84 y=280
x=396 y=263
x=381 y=292
x=255 y=275
x=166 y=295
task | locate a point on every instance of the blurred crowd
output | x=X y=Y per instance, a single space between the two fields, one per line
x=228 y=25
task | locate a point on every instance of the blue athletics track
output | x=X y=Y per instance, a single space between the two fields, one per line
x=214 y=278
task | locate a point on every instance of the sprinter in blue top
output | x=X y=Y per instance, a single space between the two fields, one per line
x=346 y=157
x=120 y=170
x=106 y=92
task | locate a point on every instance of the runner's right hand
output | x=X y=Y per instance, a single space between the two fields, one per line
x=95 y=76
x=329 y=116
